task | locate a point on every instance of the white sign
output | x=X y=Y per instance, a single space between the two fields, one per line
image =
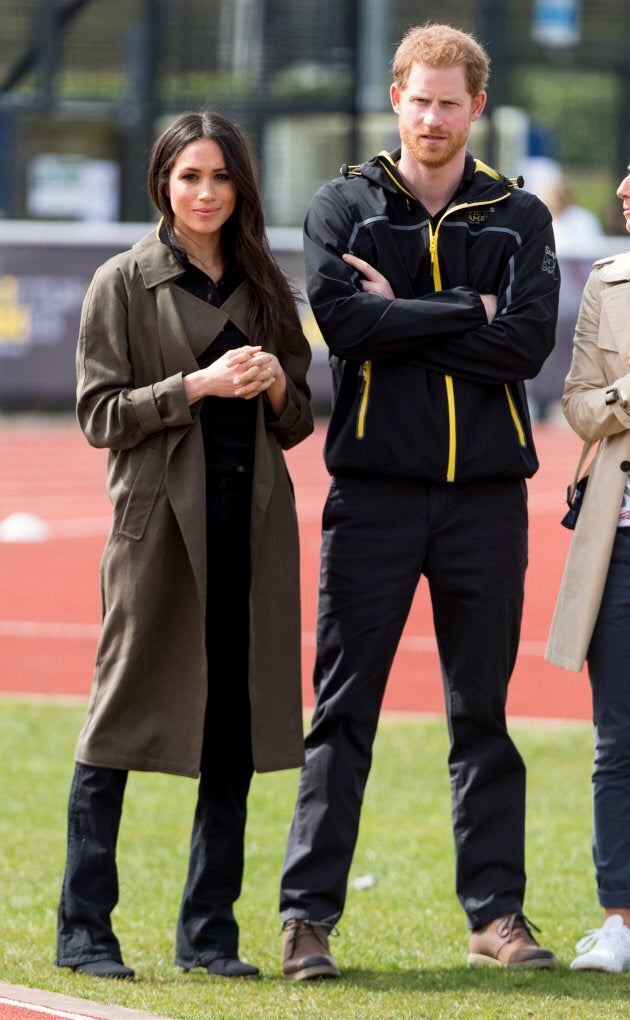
x=73 y=187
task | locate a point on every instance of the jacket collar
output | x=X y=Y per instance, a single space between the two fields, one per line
x=480 y=183
x=156 y=261
x=158 y=264
x=615 y=268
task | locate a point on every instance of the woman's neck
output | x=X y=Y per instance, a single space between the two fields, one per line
x=207 y=256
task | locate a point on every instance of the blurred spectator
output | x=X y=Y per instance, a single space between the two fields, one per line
x=539 y=172
x=571 y=222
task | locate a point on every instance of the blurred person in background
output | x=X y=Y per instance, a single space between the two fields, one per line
x=571 y=222
x=592 y=613
x=192 y=371
x=574 y=229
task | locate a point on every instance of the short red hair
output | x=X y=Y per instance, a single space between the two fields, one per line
x=442 y=46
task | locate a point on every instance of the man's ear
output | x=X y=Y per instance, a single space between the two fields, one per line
x=478 y=105
x=394 y=95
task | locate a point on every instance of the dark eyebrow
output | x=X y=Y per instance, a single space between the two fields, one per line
x=196 y=170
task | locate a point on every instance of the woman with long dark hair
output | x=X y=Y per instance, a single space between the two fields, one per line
x=191 y=370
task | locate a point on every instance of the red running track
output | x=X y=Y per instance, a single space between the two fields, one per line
x=49 y=590
x=20 y=1003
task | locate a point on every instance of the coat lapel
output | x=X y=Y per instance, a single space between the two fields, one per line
x=187 y=325
x=236 y=306
x=615 y=301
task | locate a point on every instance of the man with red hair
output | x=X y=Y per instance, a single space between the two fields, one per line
x=434 y=281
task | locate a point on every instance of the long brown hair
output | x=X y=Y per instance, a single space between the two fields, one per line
x=243 y=236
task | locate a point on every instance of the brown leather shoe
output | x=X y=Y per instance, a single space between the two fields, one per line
x=508 y=942
x=306 y=953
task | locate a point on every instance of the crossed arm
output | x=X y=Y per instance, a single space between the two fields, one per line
x=375 y=283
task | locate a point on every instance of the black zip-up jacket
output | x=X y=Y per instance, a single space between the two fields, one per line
x=423 y=386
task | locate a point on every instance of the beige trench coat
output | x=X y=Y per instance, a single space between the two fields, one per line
x=600 y=362
x=140 y=334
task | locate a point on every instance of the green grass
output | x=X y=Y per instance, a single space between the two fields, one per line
x=402 y=945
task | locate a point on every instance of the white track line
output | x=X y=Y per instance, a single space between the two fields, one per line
x=38 y=629
x=30 y=1008
x=90 y=631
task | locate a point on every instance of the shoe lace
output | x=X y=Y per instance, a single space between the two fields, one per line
x=518 y=921
x=320 y=930
x=613 y=939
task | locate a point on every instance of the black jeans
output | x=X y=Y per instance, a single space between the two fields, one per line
x=90 y=886
x=206 y=926
x=379 y=537
x=608 y=668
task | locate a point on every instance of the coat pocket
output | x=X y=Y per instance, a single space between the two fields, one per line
x=143 y=494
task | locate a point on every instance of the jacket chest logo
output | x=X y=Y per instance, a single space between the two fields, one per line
x=479 y=215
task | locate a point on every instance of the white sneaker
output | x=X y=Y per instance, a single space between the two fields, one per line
x=605 y=948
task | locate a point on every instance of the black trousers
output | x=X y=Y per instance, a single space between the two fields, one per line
x=609 y=668
x=206 y=926
x=379 y=537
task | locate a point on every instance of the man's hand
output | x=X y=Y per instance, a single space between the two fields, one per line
x=374 y=282
x=490 y=305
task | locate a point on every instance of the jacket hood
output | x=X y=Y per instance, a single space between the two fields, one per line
x=483 y=183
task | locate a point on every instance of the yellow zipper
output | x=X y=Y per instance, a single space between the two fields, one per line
x=515 y=418
x=366 y=368
x=435 y=265
x=452 y=435
x=448 y=379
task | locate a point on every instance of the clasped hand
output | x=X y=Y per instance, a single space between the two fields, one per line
x=244 y=372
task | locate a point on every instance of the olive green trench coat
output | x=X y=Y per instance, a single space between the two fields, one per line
x=600 y=362
x=140 y=334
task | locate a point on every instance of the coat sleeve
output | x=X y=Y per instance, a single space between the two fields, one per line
x=516 y=343
x=296 y=421
x=113 y=410
x=584 y=398
x=357 y=325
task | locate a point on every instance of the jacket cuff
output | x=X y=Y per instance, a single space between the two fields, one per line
x=162 y=405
